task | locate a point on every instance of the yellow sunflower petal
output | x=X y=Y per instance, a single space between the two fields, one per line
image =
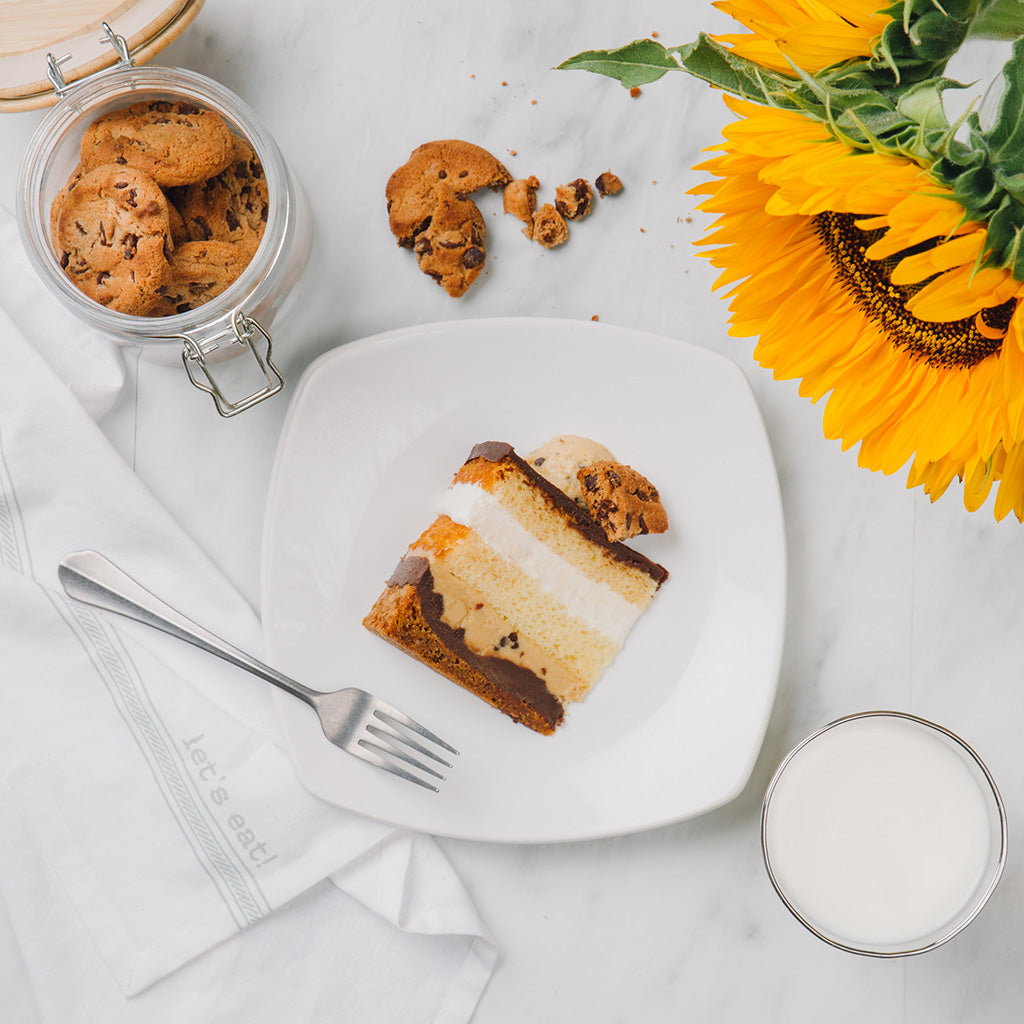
x=948 y=402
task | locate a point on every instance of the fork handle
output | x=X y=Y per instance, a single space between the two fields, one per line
x=89 y=577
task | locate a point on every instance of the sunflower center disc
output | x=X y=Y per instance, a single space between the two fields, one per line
x=952 y=343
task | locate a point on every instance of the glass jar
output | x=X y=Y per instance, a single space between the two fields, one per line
x=239 y=319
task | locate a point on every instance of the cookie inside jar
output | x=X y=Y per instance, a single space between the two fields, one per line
x=164 y=211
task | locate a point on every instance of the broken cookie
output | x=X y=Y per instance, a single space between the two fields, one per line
x=451 y=248
x=572 y=201
x=622 y=500
x=608 y=184
x=549 y=227
x=520 y=199
x=412 y=192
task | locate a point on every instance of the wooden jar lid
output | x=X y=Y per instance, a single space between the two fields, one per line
x=60 y=27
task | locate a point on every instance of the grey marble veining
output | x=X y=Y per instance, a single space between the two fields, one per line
x=893 y=602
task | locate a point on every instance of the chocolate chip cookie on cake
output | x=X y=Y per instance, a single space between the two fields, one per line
x=515 y=591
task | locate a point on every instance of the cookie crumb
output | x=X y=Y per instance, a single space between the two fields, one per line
x=608 y=184
x=549 y=227
x=635 y=91
x=520 y=199
x=573 y=200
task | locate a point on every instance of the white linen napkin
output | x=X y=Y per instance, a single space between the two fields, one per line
x=159 y=860
x=92 y=367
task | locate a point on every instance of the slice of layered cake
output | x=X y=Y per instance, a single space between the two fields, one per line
x=515 y=591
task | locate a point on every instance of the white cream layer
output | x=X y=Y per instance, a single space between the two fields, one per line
x=592 y=602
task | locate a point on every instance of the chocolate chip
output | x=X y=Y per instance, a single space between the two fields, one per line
x=442 y=174
x=231 y=220
x=102 y=276
x=590 y=481
x=64 y=258
x=131 y=245
x=472 y=257
x=422 y=246
x=463 y=174
x=120 y=184
x=539 y=461
x=78 y=225
x=132 y=196
x=103 y=234
x=120 y=160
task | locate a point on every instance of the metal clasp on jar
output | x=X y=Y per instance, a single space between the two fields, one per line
x=244 y=330
x=110 y=37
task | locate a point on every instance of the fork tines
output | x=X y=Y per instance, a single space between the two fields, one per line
x=395 y=742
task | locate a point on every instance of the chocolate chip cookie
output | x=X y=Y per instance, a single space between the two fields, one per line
x=520 y=199
x=232 y=206
x=573 y=201
x=174 y=142
x=608 y=184
x=198 y=272
x=549 y=227
x=58 y=202
x=412 y=191
x=112 y=237
x=622 y=500
x=450 y=248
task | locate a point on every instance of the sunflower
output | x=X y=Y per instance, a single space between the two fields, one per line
x=863 y=277
x=813 y=34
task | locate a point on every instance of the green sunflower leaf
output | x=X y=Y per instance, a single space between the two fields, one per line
x=645 y=60
x=1004 y=141
x=999 y=19
x=637 y=63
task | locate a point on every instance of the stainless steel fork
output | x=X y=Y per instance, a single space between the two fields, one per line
x=356 y=721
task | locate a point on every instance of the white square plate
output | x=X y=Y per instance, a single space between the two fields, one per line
x=374 y=434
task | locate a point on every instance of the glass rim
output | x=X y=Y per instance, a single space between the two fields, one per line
x=123 y=82
x=979 y=898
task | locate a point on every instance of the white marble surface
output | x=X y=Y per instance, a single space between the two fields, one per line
x=893 y=602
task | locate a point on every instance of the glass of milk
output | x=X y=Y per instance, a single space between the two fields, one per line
x=884 y=834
